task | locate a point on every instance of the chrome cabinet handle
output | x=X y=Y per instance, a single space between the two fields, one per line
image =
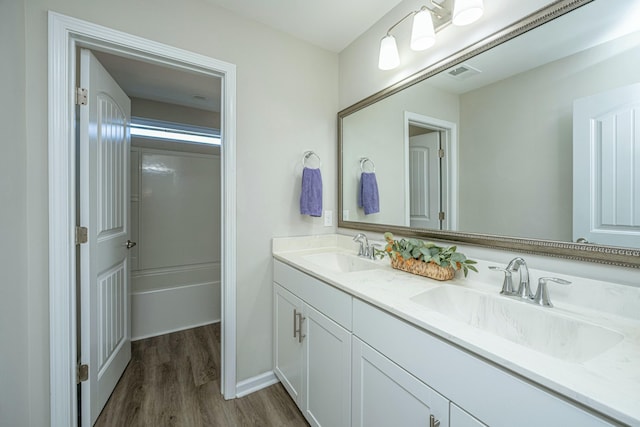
x=130 y=244
x=433 y=422
x=300 y=334
x=295 y=317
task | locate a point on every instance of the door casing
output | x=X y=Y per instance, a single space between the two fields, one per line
x=66 y=34
x=449 y=183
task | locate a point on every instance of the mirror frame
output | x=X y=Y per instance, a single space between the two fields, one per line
x=626 y=257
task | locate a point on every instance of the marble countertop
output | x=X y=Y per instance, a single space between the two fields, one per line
x=609 y=382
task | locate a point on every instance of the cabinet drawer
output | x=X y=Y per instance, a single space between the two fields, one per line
x=490 y=393
x=330 y=301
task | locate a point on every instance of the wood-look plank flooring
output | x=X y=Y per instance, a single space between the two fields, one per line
x=173 y=380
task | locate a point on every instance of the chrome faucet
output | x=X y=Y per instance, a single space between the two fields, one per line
x=366 y=250
x=524 y=288
x=364 y=245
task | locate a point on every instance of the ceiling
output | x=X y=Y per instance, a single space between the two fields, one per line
x=144 y=80
x=330 y=24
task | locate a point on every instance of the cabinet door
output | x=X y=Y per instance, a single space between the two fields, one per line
x=459 y=418
x=384 y=394
x=327 y=377
x=287 y=347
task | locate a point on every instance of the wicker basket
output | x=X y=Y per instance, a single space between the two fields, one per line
x=427 y=269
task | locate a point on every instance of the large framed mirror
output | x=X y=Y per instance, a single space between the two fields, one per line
x=528 y=140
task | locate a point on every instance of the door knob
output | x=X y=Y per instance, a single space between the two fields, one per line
x=130 y=244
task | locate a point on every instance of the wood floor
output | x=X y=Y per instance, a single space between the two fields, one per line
x=174 y=380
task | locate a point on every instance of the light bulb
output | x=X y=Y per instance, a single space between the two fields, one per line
x=466 y=12
x=389 y=58
x=423 y=36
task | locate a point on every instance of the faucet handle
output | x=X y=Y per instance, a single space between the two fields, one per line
x=372 y=250
x=542 y=293
x=507 y=285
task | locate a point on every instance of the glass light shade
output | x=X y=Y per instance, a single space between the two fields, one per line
x=423 y=36
x=389 y=57
x=466 y=12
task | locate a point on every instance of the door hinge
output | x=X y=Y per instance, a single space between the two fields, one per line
x=441 y=153
x=81 y=96
x=441 y=216
x=82 y=373
x=82 y=235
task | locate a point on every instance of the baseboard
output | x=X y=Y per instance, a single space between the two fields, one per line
x=256 y=383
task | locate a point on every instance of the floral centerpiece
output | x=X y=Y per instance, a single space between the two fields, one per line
x=426 y=259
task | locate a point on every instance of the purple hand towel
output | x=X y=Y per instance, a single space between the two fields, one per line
x=368 y=197
x=311 y=195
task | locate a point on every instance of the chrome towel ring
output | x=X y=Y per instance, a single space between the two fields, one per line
x=307 y=155
x=363 y=162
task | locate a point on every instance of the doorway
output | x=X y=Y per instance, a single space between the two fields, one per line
x=430 y=147
x=65 y=36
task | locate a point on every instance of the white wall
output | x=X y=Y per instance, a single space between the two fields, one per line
x=359 y=73
x=287 y=97
x=149 y=109
x=15 y=375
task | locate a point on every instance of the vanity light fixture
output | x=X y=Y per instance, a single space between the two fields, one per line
x=423 y=31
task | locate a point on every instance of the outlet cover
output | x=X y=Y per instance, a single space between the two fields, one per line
x=328 y=218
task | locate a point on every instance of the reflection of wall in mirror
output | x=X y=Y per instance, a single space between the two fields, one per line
x=520 y=129
x=377 y=132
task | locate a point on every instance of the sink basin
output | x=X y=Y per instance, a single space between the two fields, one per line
x=537 y=328
x=340 y=262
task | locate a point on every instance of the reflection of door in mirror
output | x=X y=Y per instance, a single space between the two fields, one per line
x=430 y=172
x=606 y=158
x=424 y=178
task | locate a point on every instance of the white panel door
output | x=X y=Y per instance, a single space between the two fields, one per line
x=327 y=374
x=104 y=199
x=606 y=167
x=424 y=180
x=384 y=394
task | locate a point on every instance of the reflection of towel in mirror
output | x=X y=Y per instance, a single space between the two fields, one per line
x=368 y=197
x=311 y=194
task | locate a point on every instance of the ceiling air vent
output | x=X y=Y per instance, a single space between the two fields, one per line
x=463 y=71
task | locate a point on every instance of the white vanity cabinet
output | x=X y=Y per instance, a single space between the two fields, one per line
x=460 y=418
x=478 y=391
x=312 y=345
x=384 y=394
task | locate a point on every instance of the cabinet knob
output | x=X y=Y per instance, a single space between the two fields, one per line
x=433 y=422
